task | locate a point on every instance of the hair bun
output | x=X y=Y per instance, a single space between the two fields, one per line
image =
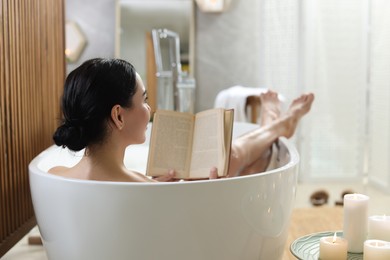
x=70 y=136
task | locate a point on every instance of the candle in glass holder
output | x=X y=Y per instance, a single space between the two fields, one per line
x=379 y=227
x=333 y=248
x=355 y=221
x=376 y=250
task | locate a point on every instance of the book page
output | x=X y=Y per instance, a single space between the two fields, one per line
x=170 y=146
x=207 y=147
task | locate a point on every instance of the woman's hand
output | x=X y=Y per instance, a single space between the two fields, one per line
x=170 y=176
x=213 y=173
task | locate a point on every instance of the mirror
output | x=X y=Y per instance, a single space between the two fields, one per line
x=136 y=18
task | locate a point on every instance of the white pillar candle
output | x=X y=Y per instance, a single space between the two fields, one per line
x=355 y=221
x=379 y=227
x=376 y=250
x=333 y=248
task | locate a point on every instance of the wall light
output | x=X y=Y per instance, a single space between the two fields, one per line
x=75 y=41
x=213 y=6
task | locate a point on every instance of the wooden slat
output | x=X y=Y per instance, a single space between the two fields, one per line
x=24 y=198
x=3 y=160
x=7 y=116
x=9 y=108
x=32 y=71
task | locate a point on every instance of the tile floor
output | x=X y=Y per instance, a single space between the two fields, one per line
x=379 y=202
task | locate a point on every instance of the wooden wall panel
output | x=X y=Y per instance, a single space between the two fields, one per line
x=32 y=71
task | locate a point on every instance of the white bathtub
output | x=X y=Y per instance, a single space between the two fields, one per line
x=237 y=218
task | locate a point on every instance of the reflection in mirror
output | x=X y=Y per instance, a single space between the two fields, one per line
x=166 y=45
x=136 y=18
x=166 y=60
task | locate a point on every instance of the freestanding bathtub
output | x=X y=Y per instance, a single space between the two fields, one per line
x=238 y=218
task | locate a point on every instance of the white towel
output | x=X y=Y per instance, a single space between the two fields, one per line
x=235 y=98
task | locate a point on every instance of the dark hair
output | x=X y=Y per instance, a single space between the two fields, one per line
x=90 y=92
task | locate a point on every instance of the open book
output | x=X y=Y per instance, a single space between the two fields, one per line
x=190 y=144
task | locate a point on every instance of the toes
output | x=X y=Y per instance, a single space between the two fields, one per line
x=269 y=94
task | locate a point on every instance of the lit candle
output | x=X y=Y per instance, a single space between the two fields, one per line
x=355 y=221
x=333 y=248
x=376 y=250
x=379 y=227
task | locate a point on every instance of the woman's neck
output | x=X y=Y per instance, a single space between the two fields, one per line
x=106 y=153
x=104 y=162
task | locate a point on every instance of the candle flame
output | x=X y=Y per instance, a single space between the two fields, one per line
x=334 y=237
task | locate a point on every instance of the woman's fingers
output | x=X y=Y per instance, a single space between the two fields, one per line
x=170 y=176
x=213 y=173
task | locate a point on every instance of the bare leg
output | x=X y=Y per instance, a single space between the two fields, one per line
x=269 y=112
x=269 y=107
x=255 y=144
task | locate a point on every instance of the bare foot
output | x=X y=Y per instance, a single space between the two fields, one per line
x=298 y=108
x=269 y=108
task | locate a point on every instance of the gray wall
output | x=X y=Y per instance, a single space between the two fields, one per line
x=96 y=19
x=227 y=50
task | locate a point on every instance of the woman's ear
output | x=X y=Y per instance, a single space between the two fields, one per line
x=117 y=116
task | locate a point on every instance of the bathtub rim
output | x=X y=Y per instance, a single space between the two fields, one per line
x=34 y=169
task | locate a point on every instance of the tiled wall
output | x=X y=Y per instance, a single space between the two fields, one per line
x=227 y=50
x=96 y=18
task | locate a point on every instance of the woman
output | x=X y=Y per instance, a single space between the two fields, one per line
x=105 y=110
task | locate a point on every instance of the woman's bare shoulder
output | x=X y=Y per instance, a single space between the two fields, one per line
x=137 y=177
x=129 y=176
